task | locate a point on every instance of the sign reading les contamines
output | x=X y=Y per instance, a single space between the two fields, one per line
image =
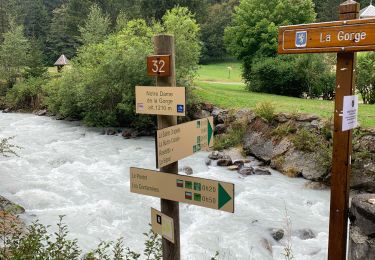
x=192 y=190
x=159 y=65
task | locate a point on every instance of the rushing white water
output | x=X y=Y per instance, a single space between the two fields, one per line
x=68 y=169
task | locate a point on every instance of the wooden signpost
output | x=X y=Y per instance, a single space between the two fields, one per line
x=345 y=37
x=174 y=142
x=192 y=190
x=180 y=141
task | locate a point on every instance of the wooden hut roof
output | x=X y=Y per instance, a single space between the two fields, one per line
x=62 y=61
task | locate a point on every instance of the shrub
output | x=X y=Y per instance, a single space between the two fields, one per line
x=265 y=110
x=292 y=76
x=284 y=130
x=366 y=77
x=306 y=141
x=26 y=94
x=6 y=148
x=233 y=137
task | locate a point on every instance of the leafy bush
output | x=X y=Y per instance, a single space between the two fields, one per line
x=233 y=137
x=283 y=130
x=366 y=77
x=265 y=110
x=292 y=76
x=26 y=94
x=306 y=141
x=100 y=89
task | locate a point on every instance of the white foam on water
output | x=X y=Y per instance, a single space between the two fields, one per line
x=67 y=169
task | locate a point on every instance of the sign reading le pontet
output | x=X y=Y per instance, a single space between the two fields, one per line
x=192 y=190
x=169 y=101
x=180 y=141
x=351 y=35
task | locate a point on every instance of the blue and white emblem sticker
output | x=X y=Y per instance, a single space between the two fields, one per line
x=301 y=39
x=180 y=108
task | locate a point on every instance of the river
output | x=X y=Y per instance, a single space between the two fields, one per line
x=67 y=169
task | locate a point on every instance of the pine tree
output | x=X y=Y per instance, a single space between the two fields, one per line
x=96 y=26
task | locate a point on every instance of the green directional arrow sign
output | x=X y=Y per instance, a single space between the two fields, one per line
x=197 y=191
x=210 y=132
x=224 y=197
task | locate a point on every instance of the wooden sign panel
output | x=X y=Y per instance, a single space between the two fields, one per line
x=353 y=35
x=170 y=101
x=180 y=141
x=159 y=65
x=162 y=225
x=192 y=190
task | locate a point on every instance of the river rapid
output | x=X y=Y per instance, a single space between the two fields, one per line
x=67 y=169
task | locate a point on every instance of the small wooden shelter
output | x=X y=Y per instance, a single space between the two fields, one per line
x=368 y=12
x=61 y=62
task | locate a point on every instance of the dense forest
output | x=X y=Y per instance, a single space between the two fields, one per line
x=108 y=40
x=53 y=26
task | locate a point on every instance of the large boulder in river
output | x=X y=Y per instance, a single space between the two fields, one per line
x=296 y=162
x=10 y=207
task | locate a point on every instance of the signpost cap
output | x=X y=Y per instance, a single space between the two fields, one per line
x=349 y=6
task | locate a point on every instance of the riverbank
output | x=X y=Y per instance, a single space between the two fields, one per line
x=297 y=145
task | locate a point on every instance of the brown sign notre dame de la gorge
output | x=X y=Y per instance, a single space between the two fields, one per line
x=352 y=35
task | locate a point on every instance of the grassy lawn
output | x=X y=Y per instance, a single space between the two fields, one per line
x=219 y=72
x=235 y=96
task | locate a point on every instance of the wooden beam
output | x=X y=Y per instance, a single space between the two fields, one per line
x=342 y=150
x=164 y=45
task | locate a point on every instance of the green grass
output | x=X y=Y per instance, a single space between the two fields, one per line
x=235 y=96
x=219 y=72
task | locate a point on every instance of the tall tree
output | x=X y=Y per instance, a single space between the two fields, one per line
x=213 y=30
x=15 y=45
x=96 y=26
x=60 y=40
x=36 y=20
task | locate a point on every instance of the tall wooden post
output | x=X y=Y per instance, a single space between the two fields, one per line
x=164 y=45
x=342 y=147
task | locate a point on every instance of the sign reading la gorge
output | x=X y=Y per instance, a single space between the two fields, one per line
x=352 y=35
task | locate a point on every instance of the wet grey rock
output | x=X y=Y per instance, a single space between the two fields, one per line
x=361 y=247
x=239 y=162
x=7 y=110
x=282 y=118
x=10 y=207
x=306 y=118
x=305 y=234
x=188 y=170
x=220 y=129
x=215 y=155
x=41 y=112
x=316 y=185
x=208 y=161
x=225 y=161
x=128 y=133
x=233 y=167
x=261 y=171
x=257 y=145
x=110 y=131
x=246 y=171
x=277 y=234
x=202 y=114
x=362 y=213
